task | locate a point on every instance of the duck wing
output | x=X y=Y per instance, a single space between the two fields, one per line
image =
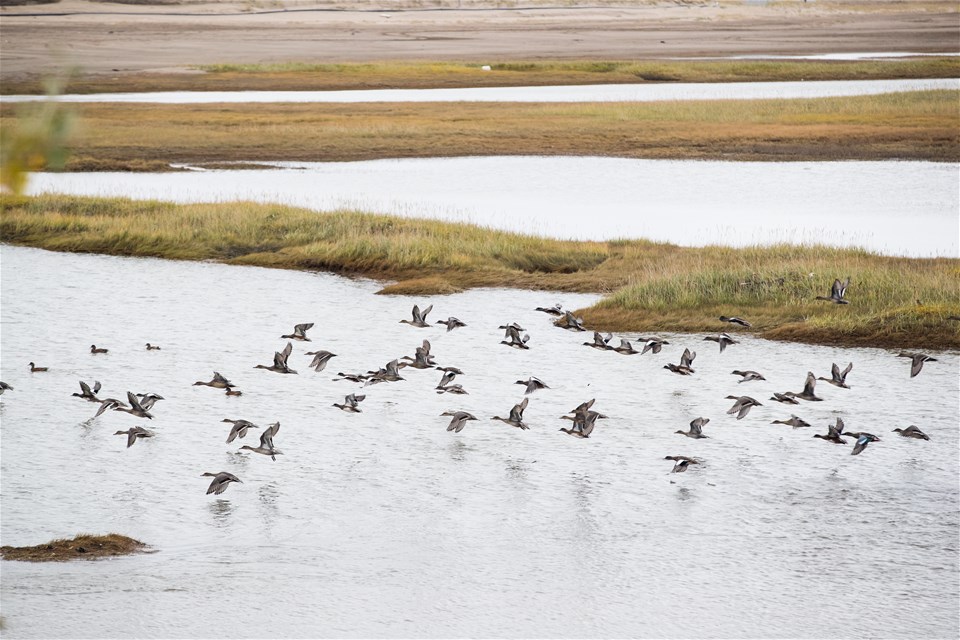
x=810 y=384
x=219 y=378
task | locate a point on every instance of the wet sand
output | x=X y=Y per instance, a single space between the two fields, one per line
x=115 y=38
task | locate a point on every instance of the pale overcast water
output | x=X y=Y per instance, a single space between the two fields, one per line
x=574 y=93
x=383 y=524
x=895 y=208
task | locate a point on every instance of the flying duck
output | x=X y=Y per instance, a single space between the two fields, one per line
x=625 y=348
x=785 y=398
x=350 y=403
x=735 y=320
x=532 y=384
x=794 y=422
x=600 y=342
x=299 y=332
x=220 y=482
x=837 y=292
x=516 y=415
x=266 y=442
x=682 y=462
x=452 y=323
x=653 y=344
x=419 y=317
x=320 y=359
x=133 y=433
x=515 y=340
x=912 y=432
x=571 y=322
x=916 y=361
x=5 y=387
x=555 y=310
x=87 y=393
x=833 y=433
x=722 y=339
x=696 y=429
x=863 y=439
x=239 y=429
x=218 y=382
x=838 y=378
x=279 y=361
x=808 y=389
x=747 y=376
x=458 y=420
x=742 y=405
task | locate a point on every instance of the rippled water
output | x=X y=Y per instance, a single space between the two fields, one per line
x=383 y=524
x=897 y=208
x=575 y=93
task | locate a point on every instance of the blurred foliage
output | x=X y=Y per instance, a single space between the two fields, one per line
x=35 y=141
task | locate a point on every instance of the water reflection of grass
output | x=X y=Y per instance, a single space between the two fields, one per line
x=302 y=76
x=918 y=125
x=897 y=302
x=83 y=546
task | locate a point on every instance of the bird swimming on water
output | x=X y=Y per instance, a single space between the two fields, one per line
x=35 y=369
x=94 y=349
x=152 y=347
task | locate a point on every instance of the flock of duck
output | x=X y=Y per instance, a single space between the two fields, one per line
x=583 y=417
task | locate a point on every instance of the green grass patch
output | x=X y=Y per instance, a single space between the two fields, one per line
x=894 y=302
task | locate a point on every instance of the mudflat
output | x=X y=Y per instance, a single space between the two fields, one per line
x=133 y=38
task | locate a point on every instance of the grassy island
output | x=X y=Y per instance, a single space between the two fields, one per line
x=894 y=302
x=82 y=547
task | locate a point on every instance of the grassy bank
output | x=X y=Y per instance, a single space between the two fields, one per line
x=922 y=125
x=82 y=547
x=650 y=286
x=296 y=76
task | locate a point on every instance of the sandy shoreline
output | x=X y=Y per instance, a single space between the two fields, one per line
x=122 y=38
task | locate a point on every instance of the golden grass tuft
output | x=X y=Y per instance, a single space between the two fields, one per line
x=81 y=547
x=895 y=302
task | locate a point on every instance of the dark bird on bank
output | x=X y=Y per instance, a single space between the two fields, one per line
x=239 y=429
x=682 y=462
x=916 y=361
x=320 y=359
x=837 y=292
x=516 y=415
x=458 y=420
x=452 y=323
x=794 y=422
x=742 y=405
x=838 y=378
x=279 y=361
x=532 y=384
x=133 y=433
x=735 y=320
x=218 y=382
x=912 y=432
x=299 y=332
x=419 y=317
x=723 y=340
x=696 y=429
x=266 y=443
x=87 y=393
x=747 y=376
x=350 y=403
x=220 y=482
x=555 y=310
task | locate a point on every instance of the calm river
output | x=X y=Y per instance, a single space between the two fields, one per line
x=895 y=208
x=383 y=524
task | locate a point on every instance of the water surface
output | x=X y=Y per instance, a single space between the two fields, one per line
x=897 y=208
x=383 y=524
x=570 y=93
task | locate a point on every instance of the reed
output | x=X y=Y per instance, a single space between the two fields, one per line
x=895 y=302
x=301 y=76
x=915 y=125
x=81 y=547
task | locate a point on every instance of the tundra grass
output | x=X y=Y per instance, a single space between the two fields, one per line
x=305 y=76
x=894 y=302
x=922 y=125
x=81 y=547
